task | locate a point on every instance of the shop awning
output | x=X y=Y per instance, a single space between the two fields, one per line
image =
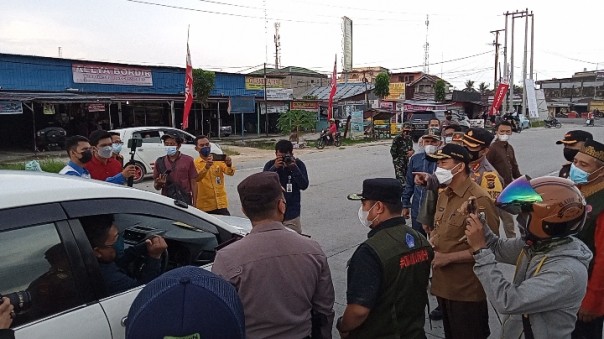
x=66 y=98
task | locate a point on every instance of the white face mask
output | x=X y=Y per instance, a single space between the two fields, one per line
x=430 y=149
x=448 y=140
x=444 y=176
x=105 y=152
x=363 y=215
x=503 y=137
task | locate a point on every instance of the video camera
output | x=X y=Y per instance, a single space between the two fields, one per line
x=21 y=300
x=132 y=145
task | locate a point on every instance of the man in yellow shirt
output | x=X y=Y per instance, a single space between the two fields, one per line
x=211 y=193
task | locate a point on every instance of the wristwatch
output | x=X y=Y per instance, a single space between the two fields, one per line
x=477 y=251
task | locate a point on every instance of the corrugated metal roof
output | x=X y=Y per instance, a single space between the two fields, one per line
x=343 y=91
x=289 y=70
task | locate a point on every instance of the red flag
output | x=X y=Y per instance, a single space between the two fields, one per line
x=334 y=87
x=188 y=90
x=502 y=89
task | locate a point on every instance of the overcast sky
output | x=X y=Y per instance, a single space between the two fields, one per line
x=229 y=35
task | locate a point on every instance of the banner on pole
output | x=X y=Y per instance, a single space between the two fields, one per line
x=502 y=89
x=531 y=99
x=188 y=90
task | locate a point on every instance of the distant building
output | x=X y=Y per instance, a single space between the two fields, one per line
x=299 y=79
x=359 y=73
x=422 y=88
x=582 y=92
x=406 y=77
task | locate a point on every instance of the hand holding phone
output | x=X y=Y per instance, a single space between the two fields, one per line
x=471 y=208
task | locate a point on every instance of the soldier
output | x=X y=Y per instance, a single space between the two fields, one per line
x=401 y=151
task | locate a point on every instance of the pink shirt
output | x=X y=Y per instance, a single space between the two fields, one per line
x=183 y=171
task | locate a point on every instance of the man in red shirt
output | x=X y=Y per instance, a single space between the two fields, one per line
x=333 y=129
x=175 y=173
x=103 y=166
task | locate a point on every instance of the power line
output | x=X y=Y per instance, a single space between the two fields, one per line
x=442 y=62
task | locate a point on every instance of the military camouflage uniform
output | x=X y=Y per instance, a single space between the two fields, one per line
x=401 y=144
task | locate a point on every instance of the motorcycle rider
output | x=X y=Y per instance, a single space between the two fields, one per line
x=333 y=129
x=590 y=119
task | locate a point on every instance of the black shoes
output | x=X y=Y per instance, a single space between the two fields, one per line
x=436 y=314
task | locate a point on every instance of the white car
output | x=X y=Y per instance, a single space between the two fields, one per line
x=153 y=147
x=47 y=258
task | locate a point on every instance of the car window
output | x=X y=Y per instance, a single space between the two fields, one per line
x=149 y=137
x=423 y=116
x=188 y=139
x=36 y=272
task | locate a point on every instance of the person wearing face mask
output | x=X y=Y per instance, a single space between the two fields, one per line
x=175 y=173
x=117 y=146
x=80 y=153
x=503 y=158
x=413 y=194
x=448 y=131
x=108 y=248
x=477 y=142
x=211 y=193
x=460 y=296
x=388 y=273
x=401 y=150
x=573 y=141
x=587 y=172
x=103 y=166
x=544 y=296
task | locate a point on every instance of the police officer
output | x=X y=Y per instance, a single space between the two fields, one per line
x=477 y=141
x=401 y=150
x=573 y=141
x=388 y=273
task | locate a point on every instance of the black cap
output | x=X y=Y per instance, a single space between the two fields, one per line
x=573 y=137
x=387 y=190
x=593 y=149
x=450 y=151
x=178 y=139
x=260 y=188
x=478 y=137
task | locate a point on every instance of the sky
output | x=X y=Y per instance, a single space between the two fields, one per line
x=237 y=35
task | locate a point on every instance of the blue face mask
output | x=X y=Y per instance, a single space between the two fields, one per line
x=117 y=148
x=119 y=247
x=171 y=150
x=205 y=151
x=577 y=175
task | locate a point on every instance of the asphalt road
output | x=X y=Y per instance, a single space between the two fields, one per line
x=329 y=218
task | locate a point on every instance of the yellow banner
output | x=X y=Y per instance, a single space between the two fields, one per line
x=397 y=91
x=258 y=83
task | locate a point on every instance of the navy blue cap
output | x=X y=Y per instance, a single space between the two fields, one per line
x=187 y=302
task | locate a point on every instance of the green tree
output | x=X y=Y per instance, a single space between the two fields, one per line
x=469 y=84
x=382 y=84
x=203 y=83
x=518 y=89
x=483 y=88
x=296 y=121
x=439 y=90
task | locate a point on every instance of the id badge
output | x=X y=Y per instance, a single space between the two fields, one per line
x=288 y=188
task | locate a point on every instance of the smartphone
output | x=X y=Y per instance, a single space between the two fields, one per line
x=168 y=171
x=471 y=206
x=218 y=157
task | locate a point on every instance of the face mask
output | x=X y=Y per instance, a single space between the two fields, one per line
x=449 y=118
x=86 y=156
x=579 y=176
x=569 y=154
x=448 y=140
x=444 y=176
x=503 y=137
x=171 y=150
x=363 y=215
x=104 y=152
x=117 y=148
x=119 y=247
x=205 y=151
x=430 y=149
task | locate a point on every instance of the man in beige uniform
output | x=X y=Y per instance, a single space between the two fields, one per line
x=281 y=277
x=458 y=291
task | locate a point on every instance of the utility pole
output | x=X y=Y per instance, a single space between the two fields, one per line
x=505 y=60
x=511 y=97
x=265 y=106
x=532 y=42
x=524 y=63
x=496 y=43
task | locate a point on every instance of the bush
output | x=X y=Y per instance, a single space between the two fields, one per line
x=50 y=165
x=537 y=123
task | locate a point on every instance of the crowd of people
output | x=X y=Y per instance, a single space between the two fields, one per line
x=434 y=228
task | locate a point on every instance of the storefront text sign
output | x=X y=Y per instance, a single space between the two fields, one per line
x=111 y=75
x=96 y=107
x=258 y=83
x=11 y=107
x=305 y=105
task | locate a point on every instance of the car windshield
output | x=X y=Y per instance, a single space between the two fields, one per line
x=422 y=116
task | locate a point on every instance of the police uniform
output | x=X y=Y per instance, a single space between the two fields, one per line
x=401 y=145
x=388 y=273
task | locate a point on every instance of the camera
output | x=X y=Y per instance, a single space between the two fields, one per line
x=288 y=159
x=20 y=300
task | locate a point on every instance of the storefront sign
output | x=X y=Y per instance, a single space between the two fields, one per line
x=418 y=108
x=387 y=105
x=96 y=107
x=242 y=104
x=305 y=105
x=11 y=107
x=531 y=99
x=397 y=91
x=279 y=94
x=274 y=108
x=476 y=123
x=258 y=83
x=111 y=75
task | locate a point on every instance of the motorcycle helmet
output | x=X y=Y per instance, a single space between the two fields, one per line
x=549 y=207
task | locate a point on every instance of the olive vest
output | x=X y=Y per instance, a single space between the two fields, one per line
x=405 y=256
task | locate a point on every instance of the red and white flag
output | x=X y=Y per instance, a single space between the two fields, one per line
x=188 y=90
x=334 y=87
x=502 y=89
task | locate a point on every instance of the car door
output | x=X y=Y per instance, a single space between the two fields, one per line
x=116 y=306
x=40 y=262
x=152 y=147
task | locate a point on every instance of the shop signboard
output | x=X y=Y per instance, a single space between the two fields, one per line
x=396 y=91
x=357 y=127
x=254 y=83
x=274 y=108
x=111 y=75
x=96 y=107
x=279 y=94
x=11 y=107
x=242 y=104
x=387 y=105
x=305 y=105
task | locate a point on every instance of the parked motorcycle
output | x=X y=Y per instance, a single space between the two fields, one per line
x=553 y=122
x=325 y=140
x=514 y=121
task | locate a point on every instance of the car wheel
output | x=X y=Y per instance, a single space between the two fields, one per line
x=139 y=172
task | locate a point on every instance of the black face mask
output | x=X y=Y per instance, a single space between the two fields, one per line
x=449 y=117
x=569 y=154
x=86 y=156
